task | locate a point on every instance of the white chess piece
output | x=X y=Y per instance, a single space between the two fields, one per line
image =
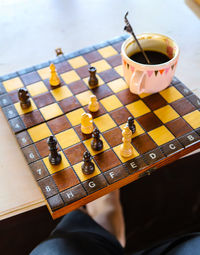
x=93 y=105
x=86 y=123
x=126 y=149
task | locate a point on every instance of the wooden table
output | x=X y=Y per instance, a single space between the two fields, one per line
x=178 y=19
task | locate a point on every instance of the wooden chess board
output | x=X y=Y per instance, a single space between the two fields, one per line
x=167 y=125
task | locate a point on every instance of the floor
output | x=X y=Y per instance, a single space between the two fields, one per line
x=163 y=205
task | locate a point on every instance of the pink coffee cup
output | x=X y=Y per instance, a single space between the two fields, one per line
x=144 y=78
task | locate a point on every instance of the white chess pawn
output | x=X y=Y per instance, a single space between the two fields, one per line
x=54 y=79
x=93 y=105
x=126 y=149
x=86 y=123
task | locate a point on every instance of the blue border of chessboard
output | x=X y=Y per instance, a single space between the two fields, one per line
x=60 y=59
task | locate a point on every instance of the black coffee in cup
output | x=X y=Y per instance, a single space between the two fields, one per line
x=155 y=57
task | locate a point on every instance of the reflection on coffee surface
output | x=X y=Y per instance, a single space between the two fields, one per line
x=155 y=57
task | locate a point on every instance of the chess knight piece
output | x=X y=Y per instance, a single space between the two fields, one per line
x=93 y=81
x=54 y=156
x=87 y=166
x=24 y=98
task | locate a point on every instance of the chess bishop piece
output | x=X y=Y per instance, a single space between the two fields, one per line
x=54 y=79
x=93 y=105
x=126 y=149
x=96 y=143
x=86 y=123
x=131 y=124
x=54 y=156
x=93 y=81
x=24 y=98
x=87 y=166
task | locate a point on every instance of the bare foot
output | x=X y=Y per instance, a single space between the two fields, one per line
x=107 y=212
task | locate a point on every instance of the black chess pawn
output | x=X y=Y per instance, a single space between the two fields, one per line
x=24 y=98
x=54 y=156
x=93 y=81
x=87 y=166
x=96 y=143
x=131 y=124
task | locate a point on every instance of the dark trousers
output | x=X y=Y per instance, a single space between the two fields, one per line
x=79 y=234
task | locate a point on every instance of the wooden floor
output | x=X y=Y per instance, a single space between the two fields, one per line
x=164 y=204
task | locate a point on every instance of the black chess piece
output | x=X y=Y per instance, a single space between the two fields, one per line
x=131 y=124
x=87 y=166
x=54 y=156
x=24 y=98
x=93 y=81
x=96 y=143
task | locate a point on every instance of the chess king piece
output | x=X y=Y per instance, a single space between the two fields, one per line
x=131 y=124
x=126 y=149
x=24 y=98
x=93 y=105
x=87 y=166
x=93 y=81
x=86 y=123
x=54 y=79
x=96 y=143
x=54 y=156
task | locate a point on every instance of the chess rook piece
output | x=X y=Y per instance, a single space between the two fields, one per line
x=86 y=123
x=93 y=105
x=24 y=98
x=87 y=166
x=54 y=156
x=54 y=79
x=126 y=149
x=131 y=124
x=93 y=81
x=96 y=143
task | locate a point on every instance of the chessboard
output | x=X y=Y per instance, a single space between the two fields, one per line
x=167 y=125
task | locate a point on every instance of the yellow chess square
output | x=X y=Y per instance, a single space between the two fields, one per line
x=84 y=97
x=55 y=168
x=193 y=118
x=23 y=111
x=70 y=77
x=61 y=93
x=75 y=116
x=88 y=145
x=166 y=114
x=161 y=135
x=111 y=103
x=138 y=108
x=44 y=73
x=118 y=85
x=37 y=88
x=138 y=129
x=119 y=70
x=104 y=122
x=13 y=84
x=81 y=175
x=143 y=95
x=171 y=94
x=100 y=81
x=39 y=132
x=51 y=111
x=123 y=159
x=77 y=62
x=67 y=138
x=107 y=52
x=101 y=65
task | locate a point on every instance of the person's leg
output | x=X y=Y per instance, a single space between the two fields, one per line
x=78 y=233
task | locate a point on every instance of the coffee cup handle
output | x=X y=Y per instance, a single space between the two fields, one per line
x=136 y=81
